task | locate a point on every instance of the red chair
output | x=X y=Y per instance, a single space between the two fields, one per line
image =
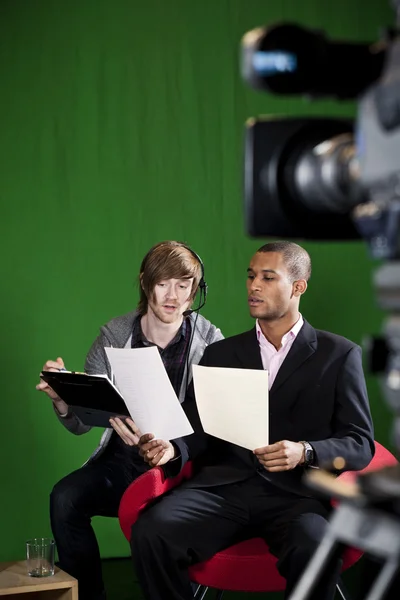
x=244 y=567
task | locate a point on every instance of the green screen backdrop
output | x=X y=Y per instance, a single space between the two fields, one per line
x=121 y=124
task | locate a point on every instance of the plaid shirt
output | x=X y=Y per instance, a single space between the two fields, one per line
x=173 y=356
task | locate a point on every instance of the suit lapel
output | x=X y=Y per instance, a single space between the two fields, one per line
x=303 y=347
x=248 y=351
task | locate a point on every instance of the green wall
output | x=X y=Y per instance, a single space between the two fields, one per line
x=121 y=124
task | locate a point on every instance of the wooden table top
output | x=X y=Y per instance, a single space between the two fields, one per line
x=14 y=579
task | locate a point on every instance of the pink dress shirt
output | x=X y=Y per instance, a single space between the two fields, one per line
x=272 y=359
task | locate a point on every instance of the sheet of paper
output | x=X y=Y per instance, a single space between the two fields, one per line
x=233 y=404
x=148 y=393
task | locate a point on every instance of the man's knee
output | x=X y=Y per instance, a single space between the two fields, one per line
x=144 y=531
x=64 y=499
x=303 y=537
x=150 y=530
x=308 y=530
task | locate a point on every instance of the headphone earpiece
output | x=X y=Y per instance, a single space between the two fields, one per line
x=202 y=283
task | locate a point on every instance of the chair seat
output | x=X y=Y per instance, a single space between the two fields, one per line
x=248 y=567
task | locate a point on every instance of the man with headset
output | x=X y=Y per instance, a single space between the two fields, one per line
x=171 y=274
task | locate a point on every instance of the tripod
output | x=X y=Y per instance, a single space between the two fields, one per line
x=356 y=523
x=368 y=516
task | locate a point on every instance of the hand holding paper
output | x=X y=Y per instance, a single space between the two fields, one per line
x=155 y=452
x=233 y=404
x=127 y=430
x=281 y=456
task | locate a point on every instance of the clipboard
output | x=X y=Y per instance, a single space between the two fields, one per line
x=93 y=398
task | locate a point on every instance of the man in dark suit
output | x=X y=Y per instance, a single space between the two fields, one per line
x=318 y=412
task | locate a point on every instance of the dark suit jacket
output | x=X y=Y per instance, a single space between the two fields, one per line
x=319 y=395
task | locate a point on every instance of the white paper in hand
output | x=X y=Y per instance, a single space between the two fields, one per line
x=233 y=404
x=148 y=393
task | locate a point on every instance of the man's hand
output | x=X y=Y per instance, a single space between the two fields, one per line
x=281 y=456
x=155 y=452
x=127 y=430
x=52 y=365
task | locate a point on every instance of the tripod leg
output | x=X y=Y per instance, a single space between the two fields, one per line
x=342 y=590
x=383 y=580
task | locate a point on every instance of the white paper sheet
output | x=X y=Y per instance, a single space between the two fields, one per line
x=233 y=404
x=148 y=393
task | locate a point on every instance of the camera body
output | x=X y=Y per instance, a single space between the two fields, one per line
x=324 y=178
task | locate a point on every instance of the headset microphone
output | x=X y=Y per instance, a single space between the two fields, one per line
x=186 y=313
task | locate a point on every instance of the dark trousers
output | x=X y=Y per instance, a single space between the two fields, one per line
x=190 y=525
x=93 y=490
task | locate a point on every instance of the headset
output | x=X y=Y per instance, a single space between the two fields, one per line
x=203 y=287
x=202 y=283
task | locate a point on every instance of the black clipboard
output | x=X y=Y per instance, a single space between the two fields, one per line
x=93 y=398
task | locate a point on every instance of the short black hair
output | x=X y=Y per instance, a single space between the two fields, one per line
x=297 y=260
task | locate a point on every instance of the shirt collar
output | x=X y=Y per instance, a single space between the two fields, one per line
x=292 y=334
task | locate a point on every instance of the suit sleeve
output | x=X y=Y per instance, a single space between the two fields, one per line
x=353 y=434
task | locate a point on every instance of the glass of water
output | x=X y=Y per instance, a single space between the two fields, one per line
x=40 y=557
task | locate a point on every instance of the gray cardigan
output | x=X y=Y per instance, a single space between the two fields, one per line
x=118 y=333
